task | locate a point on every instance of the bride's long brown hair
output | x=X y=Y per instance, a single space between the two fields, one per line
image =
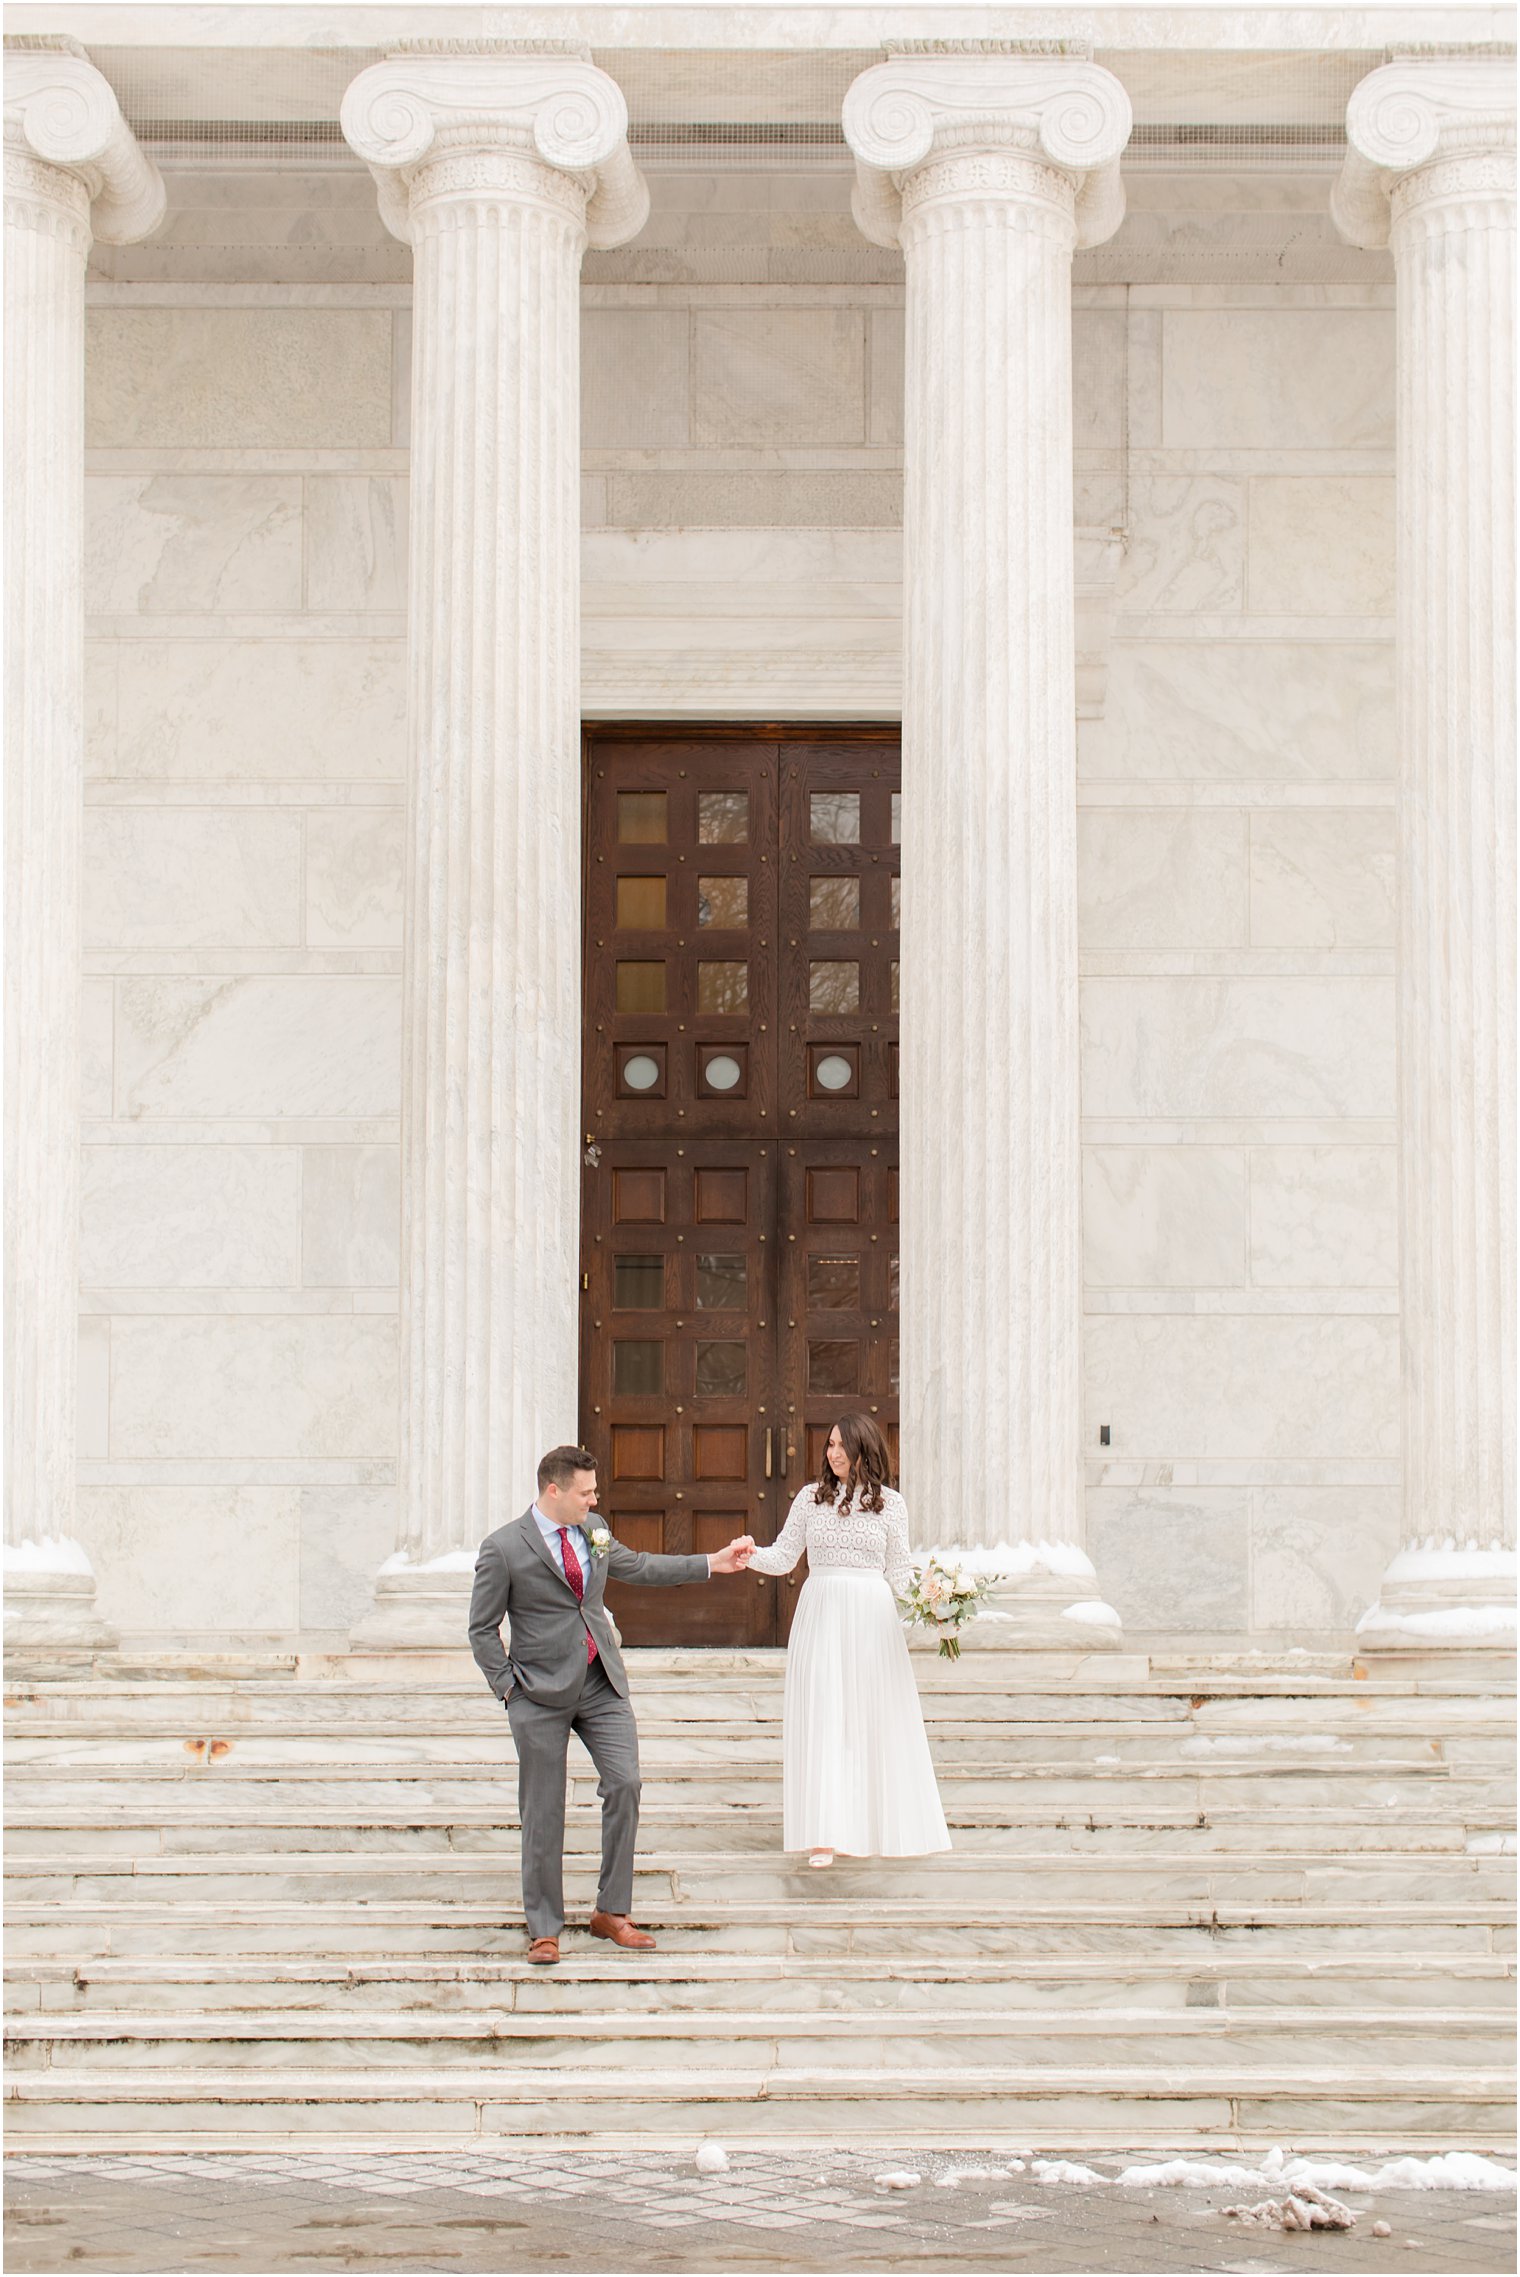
x=870 y=1464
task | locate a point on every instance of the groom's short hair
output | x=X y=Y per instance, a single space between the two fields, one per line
x=560 y=1465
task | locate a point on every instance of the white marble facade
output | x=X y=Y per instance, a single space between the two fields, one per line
x=742 y=474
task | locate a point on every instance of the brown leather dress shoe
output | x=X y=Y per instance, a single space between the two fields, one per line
x=620 y=1931
x=544 y=1952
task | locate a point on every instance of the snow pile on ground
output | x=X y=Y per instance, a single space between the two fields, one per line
x=712 y=2159
x=1064 y=2170
x=1447 y=2170
x=954 y=2174
x=898 y=2178
x=1303 y=2209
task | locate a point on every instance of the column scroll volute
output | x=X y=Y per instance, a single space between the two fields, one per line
x=1060 y=110
x=558 y=108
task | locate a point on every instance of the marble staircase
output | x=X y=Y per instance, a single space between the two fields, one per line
x=1216 y=1899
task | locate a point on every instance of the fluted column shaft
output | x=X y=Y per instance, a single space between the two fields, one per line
x=67 y=151
x=1441 y=135
x=1001 y=151
x=47 y=242
x=491 y=1078
x=492 y=1027
x=991 y=1306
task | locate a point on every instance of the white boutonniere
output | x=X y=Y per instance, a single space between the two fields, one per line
x=600 y=1540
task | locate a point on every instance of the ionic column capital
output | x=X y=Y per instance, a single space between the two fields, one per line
x=1060 y=116
x=495 y=119
x=62 y=116
x=1420 y=128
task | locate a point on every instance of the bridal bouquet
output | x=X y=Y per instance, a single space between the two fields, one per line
x=944 y=1600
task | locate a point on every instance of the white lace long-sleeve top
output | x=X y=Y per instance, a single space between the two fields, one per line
x=866 y=1540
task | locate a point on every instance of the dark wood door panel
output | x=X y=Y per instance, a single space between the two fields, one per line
x=678 y=1368
x=839 y=917
x=681 y=938
x=839 y=1290
x=740 y=1103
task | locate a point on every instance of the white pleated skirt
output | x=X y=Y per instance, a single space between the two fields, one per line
x=856 y=1772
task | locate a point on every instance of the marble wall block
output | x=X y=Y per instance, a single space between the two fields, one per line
x=635 y=378
x=1270 y=711
x=885 y=335
x=356 y=541
x=806 y=498
x=262 y=1046
x=1321 y=545
x=778 y=376
x=1173 y=1558
x=1324 y=1217
x=1323 y=878
x=1097 y=378
x=1164 y=1217
x=1316 y=1552
x=351 y=1217
x=1233 y=1386
x=1277 y=378
x=1193 y=1045
x=183 y=878
x=192 y=545
x=1185 y=547
x=190 y=1217
x=355 y=876
x=254 y=1387
x=92 y=1430
x=238 y=378
x=209 y=710
x=194 y=1557
x=97 y=1049
x=346 y=1533
x=1168 y=877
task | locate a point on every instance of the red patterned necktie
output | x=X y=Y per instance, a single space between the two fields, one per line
x=577 y=1581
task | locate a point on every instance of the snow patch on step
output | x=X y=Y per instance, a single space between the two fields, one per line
x=50 y=1553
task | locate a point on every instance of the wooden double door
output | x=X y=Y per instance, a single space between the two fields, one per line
x=740 y=1248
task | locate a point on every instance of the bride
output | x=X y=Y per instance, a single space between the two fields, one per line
x=856 y=1770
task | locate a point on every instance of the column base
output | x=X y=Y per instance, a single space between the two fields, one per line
x=53 y=1612
x=1444 y=1599
x=419 y=1607
x=1044 y=1598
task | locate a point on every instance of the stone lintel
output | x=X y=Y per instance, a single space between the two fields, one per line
x=1062 y=109
x=547 y=101
x=1408 y=113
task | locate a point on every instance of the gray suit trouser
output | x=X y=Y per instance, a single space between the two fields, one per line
x=602 y=1721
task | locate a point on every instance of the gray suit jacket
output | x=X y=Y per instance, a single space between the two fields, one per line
x=516 y=1579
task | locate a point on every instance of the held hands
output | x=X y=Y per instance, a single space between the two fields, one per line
x=735 y=1557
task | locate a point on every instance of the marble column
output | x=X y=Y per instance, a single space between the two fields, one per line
x=989 y=168
x=498 y=168
x=73 y=171
x=1430 y=171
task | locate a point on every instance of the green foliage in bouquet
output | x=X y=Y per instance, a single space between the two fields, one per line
x=944 y=1598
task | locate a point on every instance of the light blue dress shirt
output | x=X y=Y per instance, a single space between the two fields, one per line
x=578 y=1543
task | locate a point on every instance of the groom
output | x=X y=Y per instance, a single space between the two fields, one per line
x=563 y=1673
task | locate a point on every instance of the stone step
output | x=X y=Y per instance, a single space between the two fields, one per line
x=1247 y=2042
x=960 y=1881
x=587 y=1983
x=81 y=1929
x=200 y=1820
x=1423 y=2107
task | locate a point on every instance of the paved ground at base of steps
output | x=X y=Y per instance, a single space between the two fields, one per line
x=583 y=2211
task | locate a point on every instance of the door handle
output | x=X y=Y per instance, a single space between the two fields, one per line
x=767 y=1450
x=785 y=1451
